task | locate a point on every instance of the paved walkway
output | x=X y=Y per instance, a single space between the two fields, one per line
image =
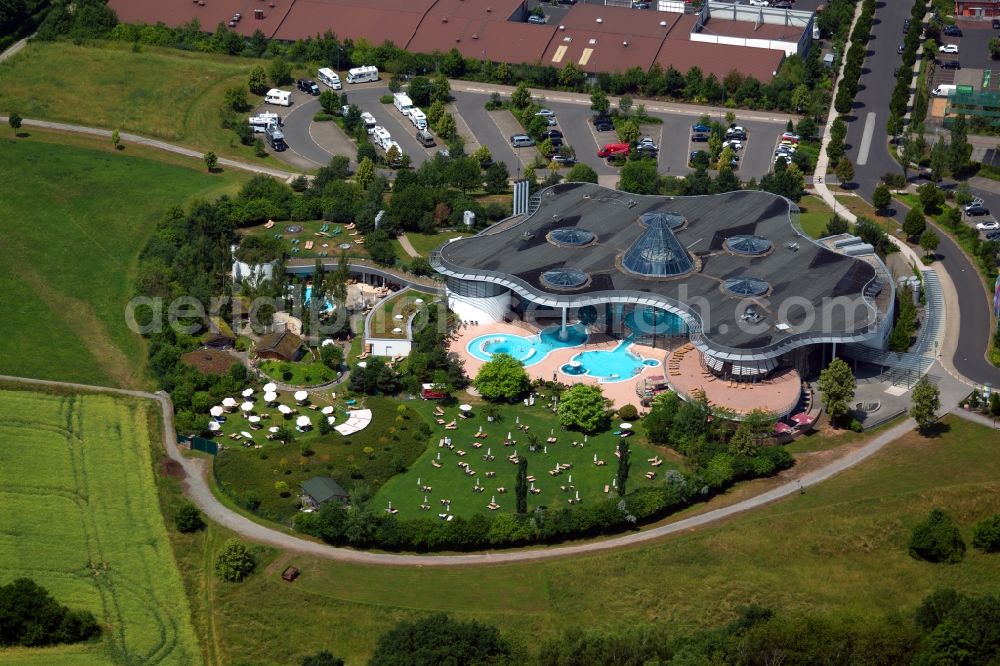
x=156 y=144
x=407 y=246
x=198 y=491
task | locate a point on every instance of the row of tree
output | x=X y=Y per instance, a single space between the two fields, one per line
x=848 y=87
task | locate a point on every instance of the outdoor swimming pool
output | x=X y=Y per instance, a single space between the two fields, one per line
x=609 y=365
x=327 y=306
x=649 y=321
x=526 y=349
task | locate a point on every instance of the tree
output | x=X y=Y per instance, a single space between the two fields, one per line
x=483 y=156
x=521 y=488
x=958 y=146
x=329 y=101
x=625 y=104
x=14 y=120
x=465 y=173
x=116 y=139
x=929 y=242
x=497 y=177
x=931 y=198
x=31 y=617
x=502 y=378
x=572 y=77
x=211 y=161
x=392 y=155
x=844 y=170
x=446 y=127
x=915 y=222
x=188 y=518
x=236 y=98
x=257 y=80
x=986 y=534
x=581 y=173
x=639 y=176
x=521 y=97
x=332 y=356
x=924 y=403
x=939 y=159
x=994 y=48
x=881 y=197
x=837 y=225
x=280 y=71
x=441 y=88
x=837 y=384
x=624 y=464
x=322 y=658
x=438 y=639
x=599 y=102
x=365 y=174
x=234 y=562
x=937 y=539
x=583 y=407
x=726 y=181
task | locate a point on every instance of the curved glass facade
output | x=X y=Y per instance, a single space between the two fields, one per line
x=657 y=253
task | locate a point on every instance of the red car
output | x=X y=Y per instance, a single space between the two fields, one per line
x=612 y=149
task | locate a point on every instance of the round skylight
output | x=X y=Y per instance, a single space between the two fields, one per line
x=745 y=286
x=564 y=278
x=751 y=246
x=571 y=237
x=672 y=220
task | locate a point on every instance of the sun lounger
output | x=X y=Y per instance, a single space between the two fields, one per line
x=270 y=223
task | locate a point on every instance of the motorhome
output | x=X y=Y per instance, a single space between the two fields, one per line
x=944 y=90
x=402 y=103
x=279 y=97
x=368 y=120
x=329 y=78
x=275 y=138
x=381 y=137
x=362 y=74
x=418 y=118
x=260 y=122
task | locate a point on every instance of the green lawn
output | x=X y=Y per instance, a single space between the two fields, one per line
x=424 y=244
x=294 y=243
x=80 y=517
x=815 y=216
x=73 y=219
x=450 y=481
x=165 y=93
x=305 y=373
x=384 y=321
x=371 y=456
x=840 y=548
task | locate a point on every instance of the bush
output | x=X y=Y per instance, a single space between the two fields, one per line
x=385 y=99
x=937 y=539
x=322 y=117
x=628 y=413
x=986 y=535
x=188 y=518
x=234 y=562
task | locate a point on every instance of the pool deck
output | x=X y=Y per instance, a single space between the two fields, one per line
x=620 y=393
x=778 y=394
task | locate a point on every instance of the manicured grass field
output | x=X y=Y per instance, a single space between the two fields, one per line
x=450 y=481
x=305 y=373
x=815 y=216
x=425 y=243
x=297 y=250
x=384 y=321
x=73 y=220
x=840 y=548
x=164 y=93
x=79 y=513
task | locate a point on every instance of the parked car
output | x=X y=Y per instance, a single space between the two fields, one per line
x=612 y=149
x=552 y=134
x=564 y=160
x=992 y=225
x=976 y=210
x=736 y=136
x=521 y=141
x=698 y=157
x=951 y=64
x=602 y=124
x=782 y=4
x=900 y=49
x=993 y=236
x=736 y=129
x=538 y=20
x=647 y=150
x=952 y=31
x=545 y=113
x=735 y=144
x=698 y=127
x=948 y=48
x=790 y=136
x=996 y=24
x=307 y=86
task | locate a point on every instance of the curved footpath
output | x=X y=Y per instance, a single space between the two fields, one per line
x=197 y=490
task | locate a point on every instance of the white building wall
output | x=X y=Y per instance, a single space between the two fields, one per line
x=387 y=347
x=483 y=310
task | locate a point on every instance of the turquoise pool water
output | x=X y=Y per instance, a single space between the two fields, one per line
x=526 y=349
x=327 y=306
x=612 y=365
x=644 y=321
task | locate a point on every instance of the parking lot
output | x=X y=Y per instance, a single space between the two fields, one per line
x=973 y=54
x=315 y=142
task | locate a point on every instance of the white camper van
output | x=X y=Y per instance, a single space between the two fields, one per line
x=279 y=97
x=381 y=137
x=944 y=90
x=362 y=74
x=260 y=123
x=329 y=78
x=418 y=118
x=368 y=120
x=402 y=103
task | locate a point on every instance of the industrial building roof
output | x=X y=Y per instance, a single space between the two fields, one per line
x=686 y=268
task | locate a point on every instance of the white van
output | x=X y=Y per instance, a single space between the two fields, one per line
x=368 y=120
x=362 y=74
x=329 y=78
x=944 y=90
x=261 y=122
x=402 y=103
x=279 y=97
x=381 y=137
x=418 y=118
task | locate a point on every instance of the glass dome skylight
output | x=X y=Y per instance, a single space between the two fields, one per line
x=571 y=236
x=564 y=278
x=751 y=246
x=744 y=286
x=657 y=253
x=673 y=220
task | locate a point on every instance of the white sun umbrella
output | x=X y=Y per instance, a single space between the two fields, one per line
x=246 y=406
x=327 y=342
x=247 y=392
x=465 y=408
x=214 y=426
x=254 y=419
x=327 y=410
x=270 y=387
x=625 y=426
x=362 y=364
x=301 y=396
x=397 y=330
x=216 y=411
x=273 y=429
x=419 y=301
x=270 y=396
x=399 y=316
x=284 y=409
x=303 y=421
x=228 y=403
x=246 y=434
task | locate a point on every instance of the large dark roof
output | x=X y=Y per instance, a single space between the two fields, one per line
x=797 y=270
x=323 y=489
